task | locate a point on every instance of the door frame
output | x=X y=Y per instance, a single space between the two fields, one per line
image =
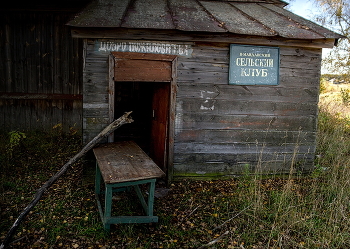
x=113 y=59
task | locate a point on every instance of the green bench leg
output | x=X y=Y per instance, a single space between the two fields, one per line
x=98 y=180
x=106 y=213
x=108 y=207
x=151 y=190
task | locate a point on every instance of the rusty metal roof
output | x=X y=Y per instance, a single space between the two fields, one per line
x=245 y=17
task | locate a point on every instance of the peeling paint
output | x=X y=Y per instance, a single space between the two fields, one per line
x=179 y=117
x=208 y=104
x=211 y=108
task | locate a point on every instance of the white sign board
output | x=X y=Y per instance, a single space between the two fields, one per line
x=144 y=47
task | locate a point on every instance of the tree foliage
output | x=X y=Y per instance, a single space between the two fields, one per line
x=336 y=16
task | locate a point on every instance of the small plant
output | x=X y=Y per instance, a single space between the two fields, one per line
x=323 y=87
x=345 y=96
x=16 y=139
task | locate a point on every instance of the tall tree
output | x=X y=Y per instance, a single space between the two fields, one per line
x=336 y=16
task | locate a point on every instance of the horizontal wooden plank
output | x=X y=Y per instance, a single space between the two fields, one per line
x=160 y=35
x=301 y=52
x=218 y=55
x=247 y=136
x=304 y=81
x=299 y=72
x=210 y=170
x=96 y=113
x=241 y=93
x=95 y=77
x=209 y=164
x=221 y=77
x=195 y=164
x=95 y=88
x=142 y=56
x=142 y=70
x=14 y=95
x=251 y=157
x=125 y=162
x=96 y=68
x=96 y=97
x=246 y=122
x=302 y=57
x=307 y=64
x=208 y=54
x=247 y=107
x=193 y=75
x=203 y=66
x=240 y=148
x=284 y=80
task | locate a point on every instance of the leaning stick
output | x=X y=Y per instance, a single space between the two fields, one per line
x=125 y=119
x=215 y=240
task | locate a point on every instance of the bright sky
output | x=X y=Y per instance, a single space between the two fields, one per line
x=306 y=9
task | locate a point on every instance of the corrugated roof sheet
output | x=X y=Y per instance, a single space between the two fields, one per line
x=258 y=17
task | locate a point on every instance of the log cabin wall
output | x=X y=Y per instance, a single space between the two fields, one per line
x=41 y=72
x=95 y=91
x=223 y=129
x=226 y=129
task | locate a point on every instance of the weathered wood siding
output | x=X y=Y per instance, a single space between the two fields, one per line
x=222 y=129
x=40 y=72
x=95 y=91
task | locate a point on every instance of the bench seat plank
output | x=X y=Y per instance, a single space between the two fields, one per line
x=123 y=165
x=125 y=162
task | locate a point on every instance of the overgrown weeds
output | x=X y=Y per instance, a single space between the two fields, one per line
x=248 y=212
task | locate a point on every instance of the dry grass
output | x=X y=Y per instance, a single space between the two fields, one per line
x=333 y=99
x=247 y=212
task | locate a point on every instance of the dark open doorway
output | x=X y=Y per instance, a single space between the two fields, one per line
x=149 y=103
x=146 y=85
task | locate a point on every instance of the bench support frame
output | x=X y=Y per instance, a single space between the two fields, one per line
x=106 y=212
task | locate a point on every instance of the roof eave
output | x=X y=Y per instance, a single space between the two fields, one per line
x=185 y=36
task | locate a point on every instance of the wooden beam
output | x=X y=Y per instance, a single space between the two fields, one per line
x=36 y=96
x=139 y=34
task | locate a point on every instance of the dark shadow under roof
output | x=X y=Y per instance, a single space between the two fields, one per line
x=258 y=17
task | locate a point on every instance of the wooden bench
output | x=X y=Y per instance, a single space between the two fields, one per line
x=123 y=165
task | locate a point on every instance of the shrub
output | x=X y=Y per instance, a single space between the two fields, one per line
x=345 y=96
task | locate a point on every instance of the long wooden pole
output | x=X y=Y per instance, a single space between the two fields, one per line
x=125 y=119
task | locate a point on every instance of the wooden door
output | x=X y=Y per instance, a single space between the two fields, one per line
x=160 y=71
x=160 y=124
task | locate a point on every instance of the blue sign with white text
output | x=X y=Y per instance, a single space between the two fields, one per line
x=253 y=65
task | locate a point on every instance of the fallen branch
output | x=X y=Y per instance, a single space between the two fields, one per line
x=185 y=218
x=215 y=240
x=218 y=227
x=125 y=119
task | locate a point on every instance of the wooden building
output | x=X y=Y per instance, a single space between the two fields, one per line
x=41 y=66
x=216 y=87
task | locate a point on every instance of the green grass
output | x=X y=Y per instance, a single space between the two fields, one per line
x=247 y=212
